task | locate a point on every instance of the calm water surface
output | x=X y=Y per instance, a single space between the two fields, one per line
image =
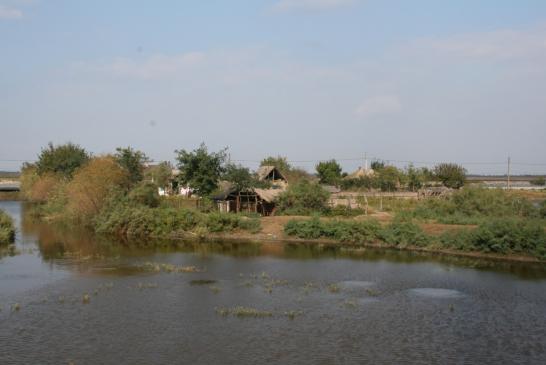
x=324 y=306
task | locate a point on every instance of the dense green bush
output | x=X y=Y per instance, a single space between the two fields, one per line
x=473 y=205
x=404 y=233
x=303 y=198
x=129 y=220
x=502 y=235
x=7 y=229
x=145 y=194
x=346 y=231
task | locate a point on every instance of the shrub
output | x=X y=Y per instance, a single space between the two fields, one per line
x=61 y=160
x=404 y=233
x=7 y=229
x=145 y=194
x=538 y=181
x=451 y=175
x=510 y=235
x=91 y=185
x=303 y=198
x=345 y=231
x=473 y=205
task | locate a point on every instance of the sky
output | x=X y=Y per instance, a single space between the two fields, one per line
x=419 y=81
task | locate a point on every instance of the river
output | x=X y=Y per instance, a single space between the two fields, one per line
x=67 y=297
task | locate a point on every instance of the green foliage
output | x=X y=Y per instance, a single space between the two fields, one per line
x=160 y=174
x=361 y=183
x=377 y=165
x=123 y=218
x=473 y=205
x=239 y=176
x=132 y=161
x=61 y=160
x=542 y=210
x=7 y=229
x=145 y=194
x=329 y=172
x=538 y=181
x=279 y=162
x=345 y=231
x=502 y=235
x=450 y=174
x=416 y=178
x=200 y=169
x=404 y=233
x=303 y=198
x=389 y=178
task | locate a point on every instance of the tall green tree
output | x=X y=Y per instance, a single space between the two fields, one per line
x=61 y=160
x=200 y=169
x=279 y=162
x=132 y=161
x=329 y=172
x=389 y=178
x=450 y=174
x=239 y=176
x=160 y=174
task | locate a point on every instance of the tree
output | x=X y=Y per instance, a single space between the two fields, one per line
x=450 y=174
x=132 y=161
x=377 y=165
x=329 y=172
x=303 y=197
x=538 y=181
x=240 y=178
x=91 y=185
x=417 y=177
x=160 y=174
x=389 y=178
x=279 y=162
x=61 y=160
x=200 y=169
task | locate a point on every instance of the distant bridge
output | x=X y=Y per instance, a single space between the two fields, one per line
x=10 y=186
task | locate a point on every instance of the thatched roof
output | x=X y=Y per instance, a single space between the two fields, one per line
x=269 y=195
x=361 y=172
x=227 y=189
x=265 y=171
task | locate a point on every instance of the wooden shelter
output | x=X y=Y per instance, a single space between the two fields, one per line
x=261 y=201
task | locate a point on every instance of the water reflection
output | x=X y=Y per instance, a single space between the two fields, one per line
x=57 y=242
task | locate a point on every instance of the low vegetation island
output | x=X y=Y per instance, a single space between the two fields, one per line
x=204 y=195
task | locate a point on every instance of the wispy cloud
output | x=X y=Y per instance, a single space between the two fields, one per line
x=378 y=105
x=310 y=5
x=152 y=68
x=499 y=44
x=10 y=13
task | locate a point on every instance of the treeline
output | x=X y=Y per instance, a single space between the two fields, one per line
x=117 y=194
x=390 y=178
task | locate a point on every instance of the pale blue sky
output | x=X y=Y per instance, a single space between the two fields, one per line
x=422 y=81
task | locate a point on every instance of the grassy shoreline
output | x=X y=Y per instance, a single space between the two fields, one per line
x=7 y=229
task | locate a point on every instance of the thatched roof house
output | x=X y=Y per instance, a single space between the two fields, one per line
x=256 y=200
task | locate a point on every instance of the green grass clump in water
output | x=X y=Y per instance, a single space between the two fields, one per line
x=293 y=314
x=333 y=288
x=241 y=311
x=7 y=229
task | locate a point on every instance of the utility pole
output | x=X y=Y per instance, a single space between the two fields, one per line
x=508 y=175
